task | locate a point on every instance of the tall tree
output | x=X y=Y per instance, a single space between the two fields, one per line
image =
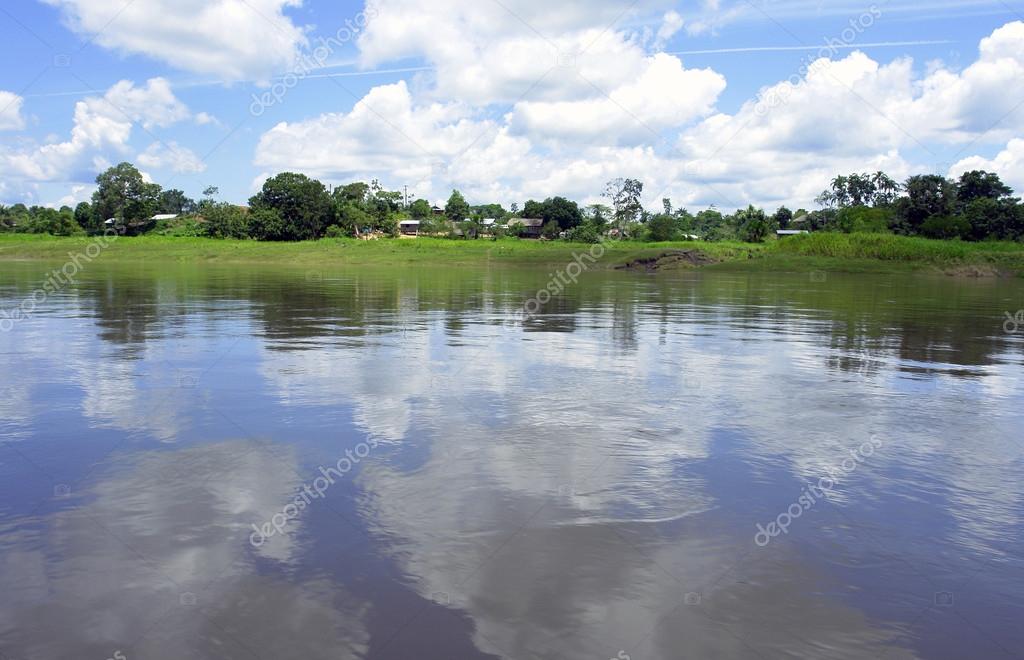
x=303 y=204
x=625 y=195
x=978 y=184
x=928 y=196
x=175 y=201
x=420 y=209
x=457 y=209
x=560 y=210
x=123 y=195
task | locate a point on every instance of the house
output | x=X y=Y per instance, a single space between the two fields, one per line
x=437 y=210
x=409 y=227
x=526 y=227
x=164 y=216
x=791 y=232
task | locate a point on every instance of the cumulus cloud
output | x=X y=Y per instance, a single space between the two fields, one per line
x=10 y=112
x=497 y=52
x=1008 y=164
x=384 y=132
x=101 y=131
x=171 y=156
x=643 y=115
x=233 y=39
x=670 y=26
x=665 y=95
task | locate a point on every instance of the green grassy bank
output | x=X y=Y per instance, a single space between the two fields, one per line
x=355 y=252
x=838 y=252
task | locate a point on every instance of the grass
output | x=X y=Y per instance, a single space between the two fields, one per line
x=350 y=251
x=837 y=252
x=886 y=250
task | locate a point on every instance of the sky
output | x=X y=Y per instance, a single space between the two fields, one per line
x=708 y=102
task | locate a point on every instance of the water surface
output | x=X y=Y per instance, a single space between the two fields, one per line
x=584 y=483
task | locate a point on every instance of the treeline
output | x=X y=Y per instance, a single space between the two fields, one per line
x=292 y=207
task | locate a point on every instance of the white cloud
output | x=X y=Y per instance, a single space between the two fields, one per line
x=10 y=112
x=78 y=194
x=491 y=52
x=384 y=132
x=172 y=156
x=657 y=122
x=101 y=133
x=233 y=39
x=1008 y=164
x=663 y=96
x=671 y=24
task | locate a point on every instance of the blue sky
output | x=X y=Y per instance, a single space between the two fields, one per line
x=508 y=100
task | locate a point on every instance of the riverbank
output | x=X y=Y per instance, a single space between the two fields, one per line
x=830 y=252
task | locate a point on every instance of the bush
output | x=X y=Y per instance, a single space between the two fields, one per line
x=336 y=231
x=661 y=228
x=946 y=227
x=266 y=225
x=226 y=221
x=585 y=233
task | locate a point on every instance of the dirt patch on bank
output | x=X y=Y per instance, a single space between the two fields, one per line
x=669 y=260
x=977 y=271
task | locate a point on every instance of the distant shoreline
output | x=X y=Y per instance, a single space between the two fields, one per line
x=821 y=251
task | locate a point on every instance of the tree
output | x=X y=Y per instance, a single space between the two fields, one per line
x=945 y=227
x=783 y=217
x=225 y=220
x=754 y=225
x=990 y=218
x=495 y=211
x=303 y=204
x=175 y=201
x=599 y=215
x=382 y=203
x=561 y=211
x=352 y=219
x=533 y=209
x=124 y=195
x=876 y=189
x=420 y=209
x=862 y=219
x=928 y=196
x=625 y=196
x=662 y=227
x=978 y=184
x=84 y=216
x=457 y=209
x=53 y=222
x=886 y=189
x=356 y=193
x=266 y=224
x=551 y=229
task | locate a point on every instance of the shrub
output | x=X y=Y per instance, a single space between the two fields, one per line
x=946 y=227
x=585 y=233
